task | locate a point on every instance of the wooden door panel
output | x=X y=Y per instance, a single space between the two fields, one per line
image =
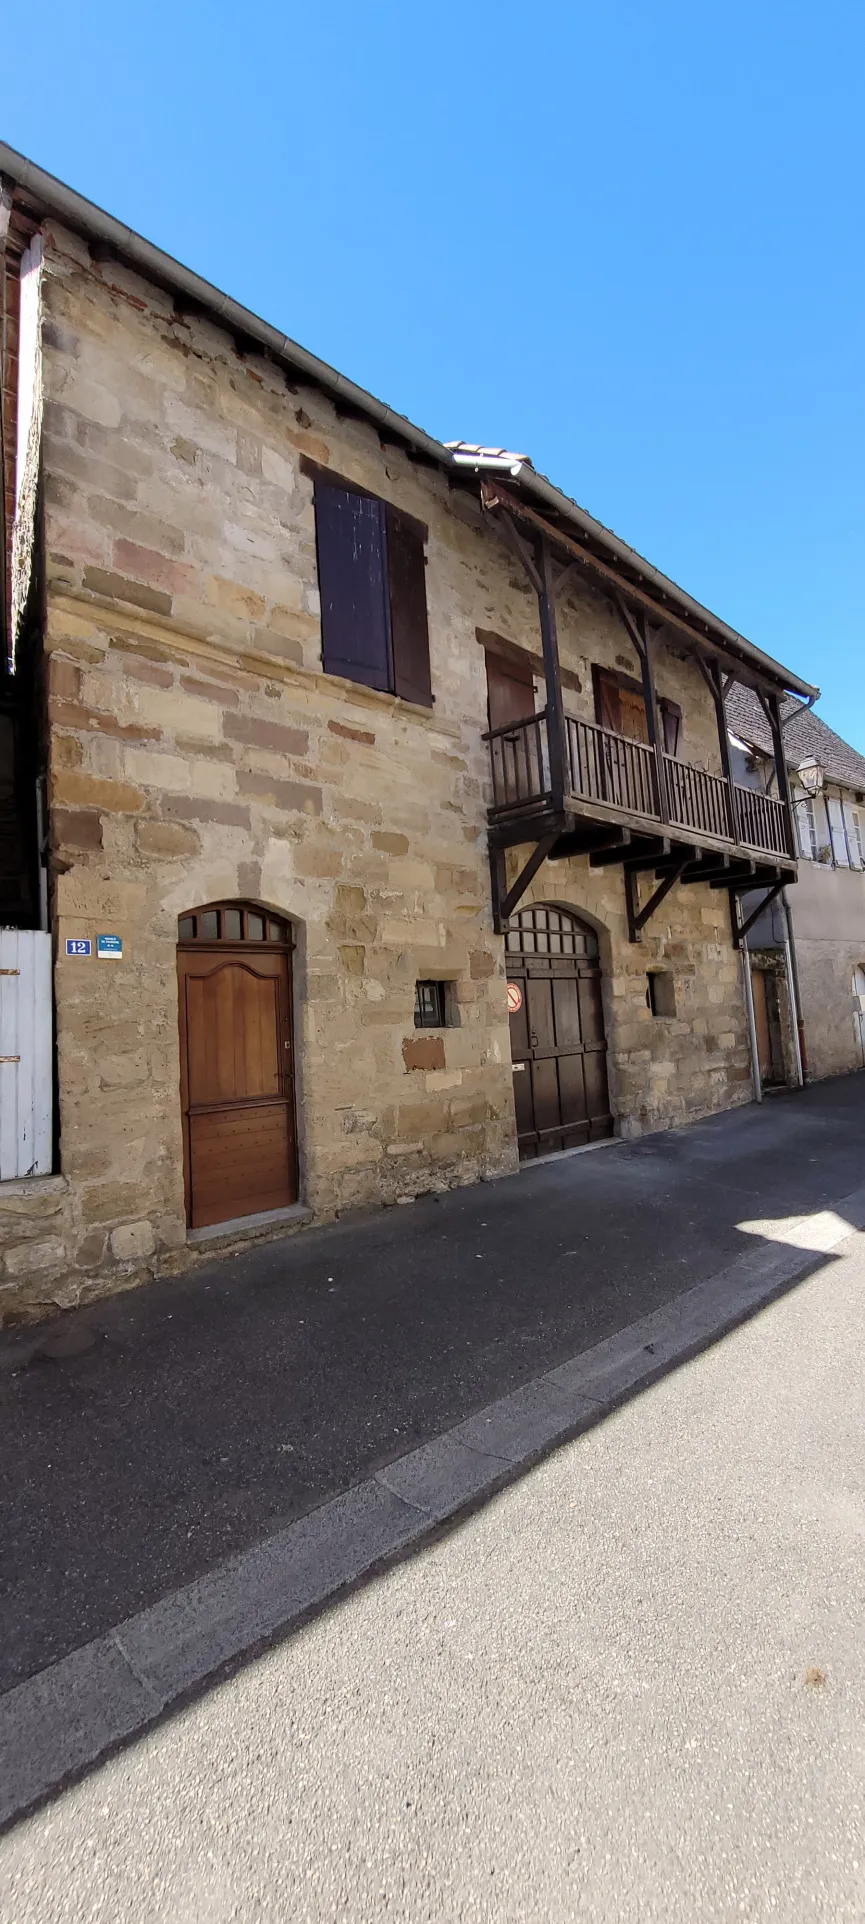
x=632 y=710
x=545 y=1094
x=566 y=1008
x=233 y=1021
x=239 y=1161
x=561 y=1097
x=539 y=1003
x=523 y=1103
x=572 y=1090
x=236 y=1082
x=597 y=1094
x=510 y=691
x=591 y=1010
x=761 y=1022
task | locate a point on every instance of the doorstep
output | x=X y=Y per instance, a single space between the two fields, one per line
x=580 y=1149
x=294 y=1217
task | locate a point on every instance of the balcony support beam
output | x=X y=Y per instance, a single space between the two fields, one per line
x=638 y=917
x=740 y=928
x=636 y=623
x=538 y=563
x=496 y=495
x=505 y=899
x=573 y=842
x=773 y=707
x=635 y=858
x=718 y=685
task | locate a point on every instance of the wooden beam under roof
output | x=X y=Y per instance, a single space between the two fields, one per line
x=494 y=495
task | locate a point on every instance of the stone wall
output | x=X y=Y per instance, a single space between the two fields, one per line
x=833 y=1038
x=197 y=752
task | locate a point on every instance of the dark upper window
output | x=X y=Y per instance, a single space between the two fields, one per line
x=671 y=723
x=372 y=580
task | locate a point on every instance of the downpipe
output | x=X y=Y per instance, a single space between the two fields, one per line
x=793 y=990
x=752 y=1024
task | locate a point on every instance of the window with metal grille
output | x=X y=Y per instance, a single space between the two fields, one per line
x=430 y=1005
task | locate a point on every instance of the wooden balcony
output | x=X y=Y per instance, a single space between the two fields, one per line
x=608 y=777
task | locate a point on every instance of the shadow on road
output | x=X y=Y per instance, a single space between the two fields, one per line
x=216 y=1408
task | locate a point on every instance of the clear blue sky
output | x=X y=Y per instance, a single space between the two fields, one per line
x=624 y=238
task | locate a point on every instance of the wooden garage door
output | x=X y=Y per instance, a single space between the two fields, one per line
x=236 y=1063
x=558 y=1045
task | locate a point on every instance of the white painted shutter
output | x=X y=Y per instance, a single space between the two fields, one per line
x=26 y=1054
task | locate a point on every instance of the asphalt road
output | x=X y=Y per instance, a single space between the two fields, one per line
x=631 y=1687
x=216 y=1408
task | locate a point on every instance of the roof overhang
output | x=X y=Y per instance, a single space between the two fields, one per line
x=51 y=196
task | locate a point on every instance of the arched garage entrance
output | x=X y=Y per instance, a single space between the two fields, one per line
x=558 y=1045
x=236 y=1062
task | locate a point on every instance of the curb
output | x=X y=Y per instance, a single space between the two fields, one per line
x=60 y=1722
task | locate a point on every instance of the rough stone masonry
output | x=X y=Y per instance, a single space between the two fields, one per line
x=197 y=752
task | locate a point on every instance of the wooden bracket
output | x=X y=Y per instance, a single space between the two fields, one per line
x=521 y=549
x=740 y=929
x=638 y=917
x=628 y=620
x=505 y=899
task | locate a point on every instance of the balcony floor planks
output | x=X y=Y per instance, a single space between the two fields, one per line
x=530 y=824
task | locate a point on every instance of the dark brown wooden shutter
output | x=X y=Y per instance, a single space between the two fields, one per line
x=352 y=578
x=408 y=613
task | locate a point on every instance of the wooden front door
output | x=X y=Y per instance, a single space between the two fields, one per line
x=236 y=1064
x=558 y=1045
x=767 y=1021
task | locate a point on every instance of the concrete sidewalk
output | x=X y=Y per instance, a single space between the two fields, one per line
x=216 y=1411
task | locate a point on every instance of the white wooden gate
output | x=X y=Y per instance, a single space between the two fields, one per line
x=26 y=1056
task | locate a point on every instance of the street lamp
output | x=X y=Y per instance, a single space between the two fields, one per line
x=810 y=776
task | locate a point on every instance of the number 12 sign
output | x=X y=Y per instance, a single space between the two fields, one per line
x=78 y=945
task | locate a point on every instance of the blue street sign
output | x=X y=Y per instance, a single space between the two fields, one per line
x=78 y=945
x=110 y=948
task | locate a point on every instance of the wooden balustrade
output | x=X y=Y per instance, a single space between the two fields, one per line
x=761 y=820
x=520 y=763
x=619 y=773
x=610 y=768
x=699 y=800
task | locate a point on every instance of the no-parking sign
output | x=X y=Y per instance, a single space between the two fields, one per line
x=515 y=998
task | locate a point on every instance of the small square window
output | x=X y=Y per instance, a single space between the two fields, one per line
x=661 y=992
x=430 y=1005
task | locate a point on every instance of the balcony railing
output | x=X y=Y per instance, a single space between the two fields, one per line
x=760 y=820
x=624 y=775
x=604 y=767
x=699 y=800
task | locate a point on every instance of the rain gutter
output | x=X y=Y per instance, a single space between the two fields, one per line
x=92 y=221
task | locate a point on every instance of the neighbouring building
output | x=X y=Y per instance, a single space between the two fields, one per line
x=823 y=919
x=368 y=813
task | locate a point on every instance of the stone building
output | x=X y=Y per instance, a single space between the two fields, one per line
x=822 y=923
x=375 y=800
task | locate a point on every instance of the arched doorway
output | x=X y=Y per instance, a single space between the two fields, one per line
x=558 y=1045
x=236 y=1062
